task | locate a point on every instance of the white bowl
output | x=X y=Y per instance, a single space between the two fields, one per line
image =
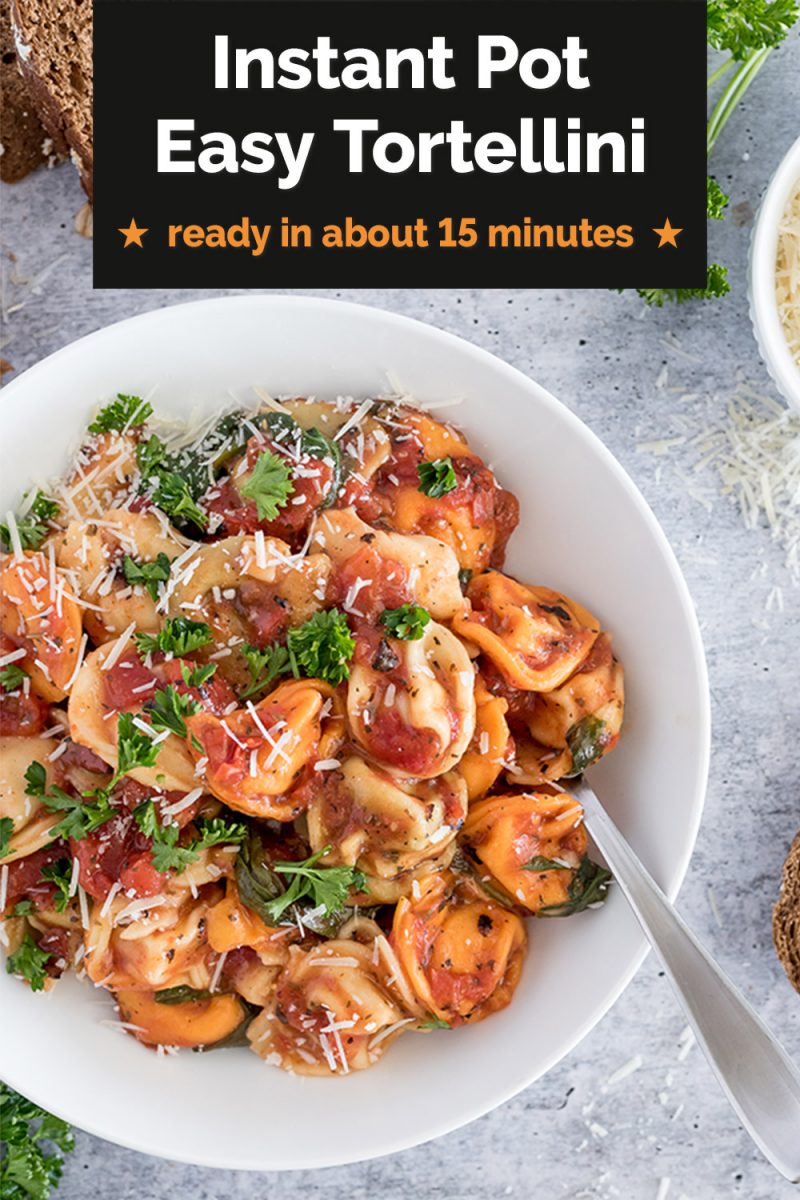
x=763 y=304
x=585 y=529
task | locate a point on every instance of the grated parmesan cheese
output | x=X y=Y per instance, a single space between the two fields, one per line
x=787 y=274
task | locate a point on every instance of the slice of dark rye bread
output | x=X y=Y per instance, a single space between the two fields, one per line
x=54 y=45
x=25 y=143
x=786 y=916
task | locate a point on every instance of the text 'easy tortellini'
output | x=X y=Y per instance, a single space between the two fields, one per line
x=253 y=758
x=371 y=565
x=384 y=826
x=333 y=1012
x=38 y=614
x=461 y=952
x=417 y=717
x=534 y=636
x=532 y=842
x=94 y=554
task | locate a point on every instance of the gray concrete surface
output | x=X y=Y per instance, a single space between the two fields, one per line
x=664 y=1131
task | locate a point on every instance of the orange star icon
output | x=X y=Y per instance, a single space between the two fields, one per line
x=133 y=235
x=667 y=235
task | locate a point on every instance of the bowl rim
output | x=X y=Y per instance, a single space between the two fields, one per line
x=763 y=250
x=488 y=1103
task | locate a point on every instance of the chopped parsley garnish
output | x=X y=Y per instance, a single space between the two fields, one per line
x=323 y=646
x=270 y=485
x=147 y=574
x=168 y=709
x=437 y=478
x=12 y=677
x=82 y=814
x=324 y=887
x=33 y=527
x=196 y=676
x=88 y=811
x=60 y=874
x=149 y=455
x=588 y=887
x=22 y=908
x=6 y=833
x=435 y=1023
x=174 y=497
x=179 y=636
x=29 y=962
x=539 y=863
x=120 y=414
x=265 y=665
x=30 y=1167
x=167 y=854
x=742 y=26
x=716 y=200
x=406 y=622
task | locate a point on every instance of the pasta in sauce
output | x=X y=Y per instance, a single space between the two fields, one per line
x=284 y=753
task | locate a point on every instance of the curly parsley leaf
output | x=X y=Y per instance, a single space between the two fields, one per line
x=437 y=478
x=270 y=485
x=29 y=962
x=174 y=497
x=169 y=708
x=82 y=815
x=147 y=574
x=742 y=26
x=30 y=1167
x=265 y=665
x=150 y=455
x=120 y=414
x=179 y=636
x=716 y=200
x=60 y=874
x=219 y=832
x=325 y=887
x=167 y=854
x=6 y=833
x=323 y=646
x=33 y=527
x=134 y=748
x=196 y=675
x=406 y=622
x=716 y=285
x=12 y=677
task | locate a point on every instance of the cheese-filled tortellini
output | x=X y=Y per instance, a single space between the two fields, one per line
x=374 y=569
x=383 y=825
x=411 y=704
x=200 y=1020
x=491 y=746
x=333 y=1011
x=103 y=475
x=253 y=758
x=39 y=614
x=31 y=821
x=248 y=590
x=534 y=844
x=104 y=561
x=460 y=951
x=534 y=636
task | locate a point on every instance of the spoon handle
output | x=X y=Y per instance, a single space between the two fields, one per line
x=758 y=1077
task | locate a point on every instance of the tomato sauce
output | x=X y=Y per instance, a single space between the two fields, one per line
x=21 y=715
x=386 y=583
x=24 y=876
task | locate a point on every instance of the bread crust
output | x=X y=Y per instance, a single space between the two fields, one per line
x=26 y=144
x=65 y=112
x=786 y=916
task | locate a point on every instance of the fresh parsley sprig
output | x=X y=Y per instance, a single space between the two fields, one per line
x=437 y=478
x=12 y=677
x=59 y=874
x=167 y=854
x=179 y=636
x=270 y=485
x=121 y=414
x=33 y=527
x=30 y=1166
x=406 y=622
x=174 y=497
x=29 y=962
x=265 y=665
x=147 y=574
x=6 y=834
x=196 y=674
x=169 y=708
x=323 y=647
x=324 y=887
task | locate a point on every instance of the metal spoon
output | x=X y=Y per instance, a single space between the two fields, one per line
x=754 y=1071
